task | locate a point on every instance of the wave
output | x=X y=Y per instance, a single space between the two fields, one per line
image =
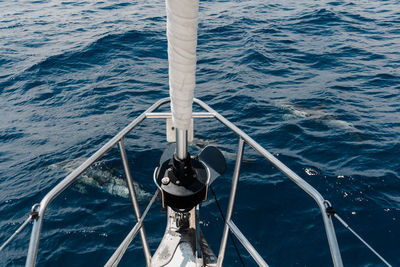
x=99 y=52
x=321 y=17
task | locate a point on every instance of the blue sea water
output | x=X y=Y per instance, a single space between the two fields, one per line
x=317 y=83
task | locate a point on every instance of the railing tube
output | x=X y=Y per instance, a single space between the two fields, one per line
x=168 y=115
x=135 y=203
x=331 y=235
x=34 y=242
x=229 y=211
x=247 y=245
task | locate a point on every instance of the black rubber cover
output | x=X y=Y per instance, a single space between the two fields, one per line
x=187 y=182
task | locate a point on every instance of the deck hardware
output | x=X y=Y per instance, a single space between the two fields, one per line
x=165 y=180
x=187 y=182
x=182 y=219
x=330 y=211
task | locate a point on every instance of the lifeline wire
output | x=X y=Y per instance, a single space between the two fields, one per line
x=362 y=240
x=16 y=232
x=230 y=233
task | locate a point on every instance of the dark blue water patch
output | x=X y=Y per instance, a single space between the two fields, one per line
x=11 y=134
x=353 y=77
x=270 y=30
x=395 y=31
x=357 y=17
x=273 y=196
x=321 y=16
x=317 y=61
x=358 y=29
x=366 y=196
x=280 y=72
x=85 y=58
x=224 y=30
x=46 y=89
x=289 y=50
x=257 y=60
x=336 y=3
x=116 y=6
x=323 y=100
x=359 y=163
x=74 y=235
x=351 y=51
x=4 y=61
x=16 y=25
x=69 y=3
x=383 y=80
x=231 y=32
x=325 y=61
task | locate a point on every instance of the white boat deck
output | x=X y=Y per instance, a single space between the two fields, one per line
x=179 y=245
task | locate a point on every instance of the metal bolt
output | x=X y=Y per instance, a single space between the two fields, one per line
x=165 y=180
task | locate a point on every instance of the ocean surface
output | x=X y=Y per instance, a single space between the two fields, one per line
x=317 y=83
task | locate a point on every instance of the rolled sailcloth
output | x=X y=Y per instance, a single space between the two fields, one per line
x=182 y=41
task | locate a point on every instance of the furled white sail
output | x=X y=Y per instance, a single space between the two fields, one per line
x=182 y=40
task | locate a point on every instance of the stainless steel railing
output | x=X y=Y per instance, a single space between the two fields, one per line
x=229 y=225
